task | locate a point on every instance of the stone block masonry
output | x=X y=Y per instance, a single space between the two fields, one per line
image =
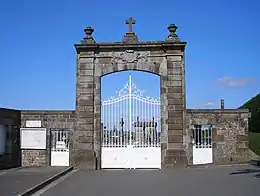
x=175 y=154
x=49 y=120
x=82 y=151
x=230 y=133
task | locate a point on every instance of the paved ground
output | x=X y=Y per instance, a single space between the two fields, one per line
x=17 y=181
x=224 y=181
x=2 y=171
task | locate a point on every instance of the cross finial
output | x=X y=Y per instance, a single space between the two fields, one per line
x=130 y=23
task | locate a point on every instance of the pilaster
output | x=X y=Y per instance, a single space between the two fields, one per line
x=83 y=155
x=175 y=154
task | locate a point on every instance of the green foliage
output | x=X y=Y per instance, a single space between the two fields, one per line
x=254 y=123
x=254 y=142
x=254 y=107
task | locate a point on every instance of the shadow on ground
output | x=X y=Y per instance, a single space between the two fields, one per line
x=255 y=170
x=247 y=171
x=255 y=162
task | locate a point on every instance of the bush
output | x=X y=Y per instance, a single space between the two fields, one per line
x=254 y=142
x=254 y=107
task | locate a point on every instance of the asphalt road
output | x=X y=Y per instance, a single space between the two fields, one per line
x=224 y=181
x=16 y=181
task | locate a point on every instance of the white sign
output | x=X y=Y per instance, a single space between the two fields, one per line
x=60 y=145
x=33 y=123
x=33 y=138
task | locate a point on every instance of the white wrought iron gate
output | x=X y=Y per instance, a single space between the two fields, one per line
x=59 y=147
x=130 y=130
x=202 y=144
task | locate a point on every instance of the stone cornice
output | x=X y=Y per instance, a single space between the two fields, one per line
x=228 y=111
x=46 y=111
x=150 y=45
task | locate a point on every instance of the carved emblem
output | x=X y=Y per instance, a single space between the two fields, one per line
x=129 y=56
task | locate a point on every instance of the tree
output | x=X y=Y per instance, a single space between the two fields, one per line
x=254 y=107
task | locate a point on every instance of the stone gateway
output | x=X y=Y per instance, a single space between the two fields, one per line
x=187 y=137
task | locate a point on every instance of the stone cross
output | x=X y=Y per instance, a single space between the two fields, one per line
x=130 y=23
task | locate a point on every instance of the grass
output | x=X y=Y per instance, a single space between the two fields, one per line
x=254 y=142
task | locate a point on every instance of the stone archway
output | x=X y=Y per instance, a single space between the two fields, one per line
x=95 y=60
x=133 y=59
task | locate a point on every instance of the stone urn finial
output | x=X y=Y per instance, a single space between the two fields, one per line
x=172 y=36
x=172 y=28
x=88 y=31
x=89 y=39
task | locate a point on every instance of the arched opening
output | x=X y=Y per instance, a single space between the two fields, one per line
x=130 y=120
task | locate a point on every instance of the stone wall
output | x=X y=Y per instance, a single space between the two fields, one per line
x=10 y=121
x=229 y=134
x=49 y=120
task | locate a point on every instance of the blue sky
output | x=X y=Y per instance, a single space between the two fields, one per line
x=38 y=59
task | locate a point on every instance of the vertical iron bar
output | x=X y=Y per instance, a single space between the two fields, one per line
x=130 y=108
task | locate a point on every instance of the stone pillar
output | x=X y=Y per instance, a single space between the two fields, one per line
x=82 y=153
x=175 y=154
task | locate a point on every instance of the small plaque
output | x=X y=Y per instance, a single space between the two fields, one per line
x=60 y=145
x=33 y=138
x=33 y=123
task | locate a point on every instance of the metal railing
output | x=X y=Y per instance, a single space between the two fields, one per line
x=130 y=118
x=59 y=139
x=202 y=136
